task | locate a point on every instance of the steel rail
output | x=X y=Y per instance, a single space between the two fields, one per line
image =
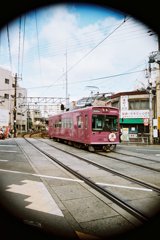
x=136 y=213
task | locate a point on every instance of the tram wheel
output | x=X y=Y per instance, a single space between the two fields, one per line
x=106 y=148
x=112 y=147
x=91 y=148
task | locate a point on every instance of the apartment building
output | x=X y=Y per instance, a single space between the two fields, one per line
x=7 y=101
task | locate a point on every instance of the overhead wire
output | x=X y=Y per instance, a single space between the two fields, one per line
x=19 y=46
x=23 y=44
x=90 y=51
x=86 y=36
x=38 y=45
x=9 y=47
x=58 y=48
x=51 y=53
x=57 y=45
x=98 y=78
x=89 y=41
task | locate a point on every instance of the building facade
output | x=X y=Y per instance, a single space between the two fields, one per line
x=8 y=102
x=135 y=114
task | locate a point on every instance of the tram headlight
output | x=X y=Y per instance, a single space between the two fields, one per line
x=112 y=137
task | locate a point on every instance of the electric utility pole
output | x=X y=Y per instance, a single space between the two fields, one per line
x=15 y=107
x=154 y=58
x=158 y=91
x=150 y=108
x=67 y=103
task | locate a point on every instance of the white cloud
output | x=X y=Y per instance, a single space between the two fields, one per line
x=123 y=51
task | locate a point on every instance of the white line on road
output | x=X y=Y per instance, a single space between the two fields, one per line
x=43 y=176
x=121 y=186
x=5 y=145
x=10 y=171
x=59 y=178
x=7 y=151
x=1 y=160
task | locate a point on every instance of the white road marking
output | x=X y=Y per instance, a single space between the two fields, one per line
x=157 y=155
x=1 y=160
x=39 y=198
x=121 y=186
x=7 y=151
x=43 y=176
x=59 y=178
x=4 y=170
x=5 y=145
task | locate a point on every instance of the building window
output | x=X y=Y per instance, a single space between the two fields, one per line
x=6 y=81
x=6 y=96
x=115 y=104
x=138 y=104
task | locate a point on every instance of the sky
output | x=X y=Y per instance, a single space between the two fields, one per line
x=72 y=50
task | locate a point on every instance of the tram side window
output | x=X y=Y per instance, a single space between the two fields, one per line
x=79 y=122
x=70 y=123
x=59 y=124
x=86 y=121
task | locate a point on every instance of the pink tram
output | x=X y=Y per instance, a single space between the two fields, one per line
x=94 y=127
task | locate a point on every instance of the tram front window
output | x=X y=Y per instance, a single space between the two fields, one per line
x=104 y=123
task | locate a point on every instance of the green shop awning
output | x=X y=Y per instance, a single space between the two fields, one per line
x=131 y=120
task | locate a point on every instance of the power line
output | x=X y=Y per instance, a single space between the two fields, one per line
x=59 y=50
x=97 y=45
x=24 y=25
x=19 y=46
x=89 y=52
x=9 y=47
x=89 y=37
x=38 y=43
x=96 y=79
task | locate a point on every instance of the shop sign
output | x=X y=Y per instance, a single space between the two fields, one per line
x=155 y=122
x=125 y=135
x=133 y=135
x=135 y=114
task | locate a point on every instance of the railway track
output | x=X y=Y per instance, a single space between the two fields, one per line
x=131 y=161
x=137 y=156
x=134 y=180
x=100 y=187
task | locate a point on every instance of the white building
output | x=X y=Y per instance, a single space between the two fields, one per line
x=7 y=100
